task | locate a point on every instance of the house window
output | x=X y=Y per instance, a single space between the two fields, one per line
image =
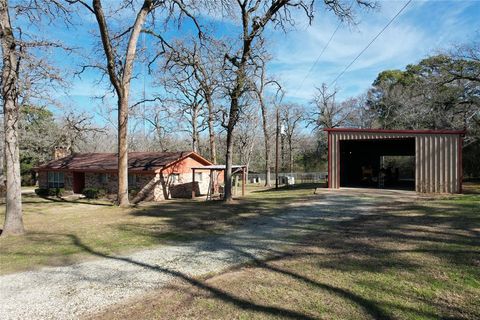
x=56 y=180
x=102 y=178
x=132 y=180
x=198 y=176
x=175 y=177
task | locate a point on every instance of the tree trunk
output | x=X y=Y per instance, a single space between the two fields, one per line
x=250 y=151
x=232 y=120
x=211 y=130
x=228 y=166
x=194 y=130
x=2 y=155
x=13 y=199
x=266 y=141
x=290 y=155
x=122 y=86
x=123 y=151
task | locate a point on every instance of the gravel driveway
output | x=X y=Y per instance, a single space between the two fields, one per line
x=72 y=291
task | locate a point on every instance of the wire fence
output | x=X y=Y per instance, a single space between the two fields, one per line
x=289 y=178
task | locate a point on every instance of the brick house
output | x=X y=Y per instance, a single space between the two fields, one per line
x=153 y=176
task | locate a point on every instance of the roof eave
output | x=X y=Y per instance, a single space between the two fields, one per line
x=423 y=131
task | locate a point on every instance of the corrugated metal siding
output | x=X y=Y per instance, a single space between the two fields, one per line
x=437 y=159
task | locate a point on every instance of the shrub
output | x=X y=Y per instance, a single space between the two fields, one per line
x=41 y=192
x=59 y=192
x=132 y=192
x=50 y=192
x=93 y=193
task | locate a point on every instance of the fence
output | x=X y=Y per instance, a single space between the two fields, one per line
x=298 y=177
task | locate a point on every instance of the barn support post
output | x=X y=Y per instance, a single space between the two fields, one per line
x=329 y=161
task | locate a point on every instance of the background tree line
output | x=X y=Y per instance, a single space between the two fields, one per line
x=440 y=92
x=172 y=81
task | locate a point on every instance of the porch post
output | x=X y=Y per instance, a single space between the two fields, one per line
x=243 y=181
x=193 y=183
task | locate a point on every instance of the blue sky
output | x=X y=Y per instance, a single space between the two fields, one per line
x=424 y=28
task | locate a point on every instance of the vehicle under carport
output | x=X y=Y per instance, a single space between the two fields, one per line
x=421 y=160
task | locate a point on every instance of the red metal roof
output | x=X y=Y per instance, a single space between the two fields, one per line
x=461 y=132
x=107 y=162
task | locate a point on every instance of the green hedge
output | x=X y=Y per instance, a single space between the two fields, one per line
x=94 y=193
x=50 y=192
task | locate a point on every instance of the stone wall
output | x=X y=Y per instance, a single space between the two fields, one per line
x=42 y=179
x=183 y=188
x=92 y=180
x=146 y=187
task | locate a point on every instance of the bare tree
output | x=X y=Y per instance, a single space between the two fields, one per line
x=158 y=125
x=16 y=54
x=292 y=116
x=363 y=117
x=120 y=70
x=202 y=62
x=246 y=138
x=259 y=87
x=328 y=112
x=98 y=141
x=76 y=128
x=120 y=49
x=254 y=17
x=10 y=71
x=186 y=95
x=465 y=61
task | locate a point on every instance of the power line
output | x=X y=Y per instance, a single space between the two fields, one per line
x=319 y=56
x=370 y=43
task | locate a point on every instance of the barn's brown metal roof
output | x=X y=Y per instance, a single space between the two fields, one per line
x=107 y=162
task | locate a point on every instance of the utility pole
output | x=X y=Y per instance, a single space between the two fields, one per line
x=277 y=138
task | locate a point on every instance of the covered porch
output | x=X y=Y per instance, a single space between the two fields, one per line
x=217 y=175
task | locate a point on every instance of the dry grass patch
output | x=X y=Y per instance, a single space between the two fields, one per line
x=55 y=227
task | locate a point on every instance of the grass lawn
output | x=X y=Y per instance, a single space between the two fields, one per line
x=471 y=187
x=55 y=227
x=417 y=260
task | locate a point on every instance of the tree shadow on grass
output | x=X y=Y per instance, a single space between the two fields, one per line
x=368 y=306
x=355 y=241
x=218 y=293
x=243 y=245
x=32 y=198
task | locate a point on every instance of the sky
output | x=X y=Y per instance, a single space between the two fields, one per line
x=423 y=28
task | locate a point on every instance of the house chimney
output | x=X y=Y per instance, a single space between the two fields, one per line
x=60 y=152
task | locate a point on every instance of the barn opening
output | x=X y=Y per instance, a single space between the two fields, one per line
x=427 y=161
x=386 y=163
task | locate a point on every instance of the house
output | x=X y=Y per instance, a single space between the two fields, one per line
x=153 y=176
x=427 y=161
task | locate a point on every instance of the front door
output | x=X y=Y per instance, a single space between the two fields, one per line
x=78 y=182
